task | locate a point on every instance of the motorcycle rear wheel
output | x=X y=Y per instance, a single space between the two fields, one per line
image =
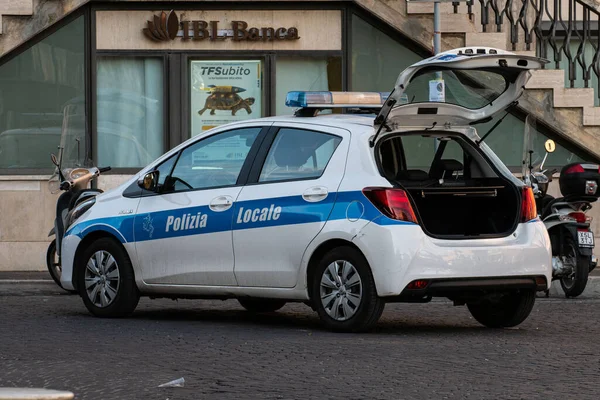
x=574 y=284
x=53 y=265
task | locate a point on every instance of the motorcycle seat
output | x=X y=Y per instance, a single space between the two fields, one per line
x=547 y=210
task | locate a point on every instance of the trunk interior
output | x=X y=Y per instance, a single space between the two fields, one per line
x=454 y=190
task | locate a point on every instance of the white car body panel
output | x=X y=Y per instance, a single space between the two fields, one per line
x=279 y=268
x=407 y=254
x=163 y=249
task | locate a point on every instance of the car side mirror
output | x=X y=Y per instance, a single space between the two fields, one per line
x=149 y=181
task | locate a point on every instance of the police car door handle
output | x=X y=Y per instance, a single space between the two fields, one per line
x=221 y=203
x=315 y=194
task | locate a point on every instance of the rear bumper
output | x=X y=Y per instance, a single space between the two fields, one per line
x=461 y=288
x=400 y=254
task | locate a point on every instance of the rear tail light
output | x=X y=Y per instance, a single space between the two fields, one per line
x=578 y=216
x=418 y=284
x=528 y=210
x=577 y=168
x=393 y=203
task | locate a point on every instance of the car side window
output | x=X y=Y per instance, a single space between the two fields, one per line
x=215 y=161
x=298 y=154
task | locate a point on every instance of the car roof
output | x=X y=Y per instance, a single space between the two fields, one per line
x=351 y=122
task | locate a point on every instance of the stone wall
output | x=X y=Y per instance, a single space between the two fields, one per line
x=26 y=216
x=27 y=211
x=18 y=29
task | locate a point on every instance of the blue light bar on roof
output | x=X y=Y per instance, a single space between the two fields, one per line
x=336 y=99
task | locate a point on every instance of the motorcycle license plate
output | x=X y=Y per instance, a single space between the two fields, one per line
x=586 y=239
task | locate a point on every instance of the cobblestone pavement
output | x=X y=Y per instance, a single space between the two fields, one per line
x=418 y=351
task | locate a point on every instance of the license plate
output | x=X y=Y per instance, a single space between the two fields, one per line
x=586 y=239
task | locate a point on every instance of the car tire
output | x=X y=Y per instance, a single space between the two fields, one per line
x=347 y=302
x=510 y=310
x=108 y=289
x=261 y=305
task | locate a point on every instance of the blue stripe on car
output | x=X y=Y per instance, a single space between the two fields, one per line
x=294 y=210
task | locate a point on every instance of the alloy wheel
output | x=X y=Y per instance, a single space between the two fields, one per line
x=102 y=279
x=341 y=290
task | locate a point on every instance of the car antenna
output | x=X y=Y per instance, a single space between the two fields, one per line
x=478 y=142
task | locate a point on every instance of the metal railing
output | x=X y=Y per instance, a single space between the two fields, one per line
x=562 y=31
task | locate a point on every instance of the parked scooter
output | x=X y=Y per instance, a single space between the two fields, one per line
x=72 y=177
x=568 y=226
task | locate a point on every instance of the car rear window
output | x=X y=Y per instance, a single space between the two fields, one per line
x=298 y=154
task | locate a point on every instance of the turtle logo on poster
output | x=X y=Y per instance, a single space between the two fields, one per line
x=226 y=98
x=224 y=88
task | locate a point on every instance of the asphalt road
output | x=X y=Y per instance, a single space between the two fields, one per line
x=418 y=351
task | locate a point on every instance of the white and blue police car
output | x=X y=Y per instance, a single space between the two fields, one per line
x=342 y=211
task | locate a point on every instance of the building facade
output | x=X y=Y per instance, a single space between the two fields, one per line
x=130 y=80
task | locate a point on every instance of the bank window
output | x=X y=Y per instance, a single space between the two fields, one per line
x=305 y=73
x=36 y=87
x=298 y=154
x=130 y=111
x=213 y=162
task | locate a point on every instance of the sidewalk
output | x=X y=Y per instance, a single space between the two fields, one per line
x=26 y=283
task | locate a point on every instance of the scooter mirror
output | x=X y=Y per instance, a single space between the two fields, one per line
x=550 y=146
x=54 y=159
x=149 y=182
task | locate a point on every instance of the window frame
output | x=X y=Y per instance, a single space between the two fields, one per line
x=167 y=140
x=263 y=153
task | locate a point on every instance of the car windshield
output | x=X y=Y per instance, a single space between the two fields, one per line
x=472 y=89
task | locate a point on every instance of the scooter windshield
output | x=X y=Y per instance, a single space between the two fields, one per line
x=72 y=151
x=74 y=140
